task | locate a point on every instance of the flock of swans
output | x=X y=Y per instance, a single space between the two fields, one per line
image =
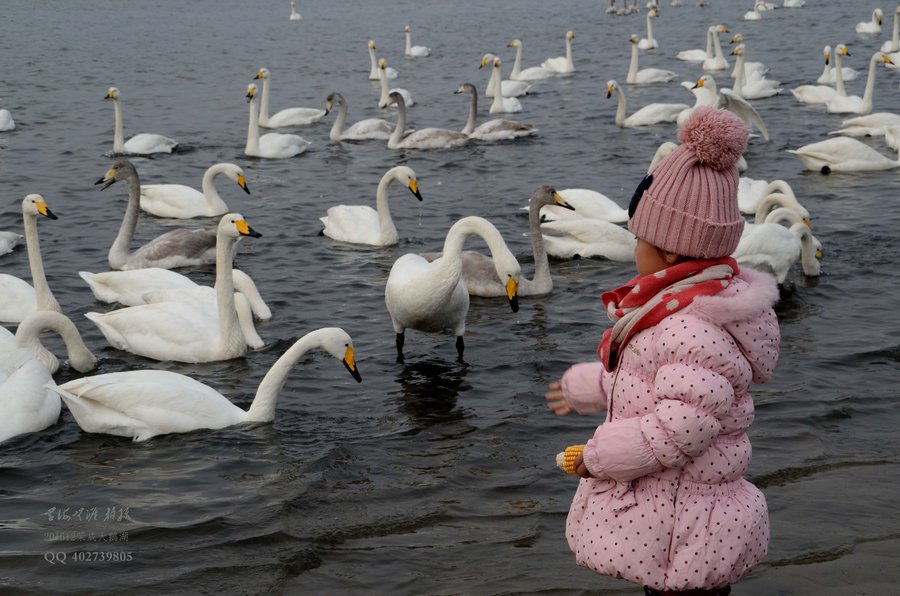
x=163 y=315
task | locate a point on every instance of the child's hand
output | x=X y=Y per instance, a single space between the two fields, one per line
x=556 y=401
x=580 y=468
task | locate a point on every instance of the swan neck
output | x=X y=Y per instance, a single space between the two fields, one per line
x=408 y=43
x=838 y=75
x=497 y=104
x=45 y=298
x=264 y=102
x=385 y=99
x=228 y=319
x=569 y=53
x=541 y=262
x=252 y=146
x=633 y=65
x=895 y=38
x=718 y=47
x=473 y=110
x=120 y=249
x=263 y=407
x=489 y=90
x=338 y=127
x=709 y=43
x=208 y=185
x=739 y=75
x=807 y=247
x=870 y=80
x=385 y=222
x=118 y=139
x=28 y=336
x=649 y=28
x=517 y=65
x=469 y=226
x=620 y=110
x=397 y=135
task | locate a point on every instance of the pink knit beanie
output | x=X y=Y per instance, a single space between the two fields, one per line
x=689 y=202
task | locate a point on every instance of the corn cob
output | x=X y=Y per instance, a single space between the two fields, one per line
x=566 y=459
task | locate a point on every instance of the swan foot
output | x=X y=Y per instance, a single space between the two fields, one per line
x=460 y=346
x=399 y=341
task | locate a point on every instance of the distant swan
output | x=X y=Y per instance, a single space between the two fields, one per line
x=717 y=61
x=412 y=51
x=8 y=241
x=19 y=297
x=529 y=74
x=708 y=94
x=843 y=154
x=181 y=331
x=649 y=42
x=385 y=99
x=698 y=55
x=178 y=248
x=854 y=104
x=646 y=75
x=140 y=144
x=501 y=104
x=562 y=64
x=6 y=121
x=872 y=26
x=142 y=404
x=827 y=76
x=432 y=296
x=424 y=138
x=755 y=87
x=287 y=116
x=507 y=88
x=648 y=115
x=295 y=16
x=498 y=129
x=360 y=224
x=753 y=15
x=370 y=128
x=183 y=202
x=390 y=73
x=892 y=45
x=273 y=145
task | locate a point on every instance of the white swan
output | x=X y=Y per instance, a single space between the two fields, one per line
x=533 y=73
x=507 y=88
x=751 y=87
x=854 y=104
x=717 y=61
x=501 y=104
x=646 y=75
x=6 y=121
x=708 y=94
x=584 y=204
x=752 y=192
x=562 y=64
x=178 y=248
x=8 y=241
x=821 y=93
x=870 y=125
x=370 y=128
x=182 y=331
x=140 y=144
x=648 y=115
x=793 y=3
x=273 y=145
x=828 y=76
x=751 y=69
x=26 y=405
x=753 y=15
x=649 y=42
x=872 y=26
x=773 y=248
x=432 y=297
x=287 y=116
x=479 y=271
x=697 y=55
x=425 y=138
x=183 y=202
x=412 y=51
x=573 y=238
x=360 y=224
x=497 y=129
x=892 y=45
x=385 y=99
x=776 y=201
x=845 y=154
x=389 y=72
x=142 y=404
x=19 y=297
x=295 y=16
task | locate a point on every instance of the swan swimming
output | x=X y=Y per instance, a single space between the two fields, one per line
x=828 y=76
x=140 y=144
x=533 y=73
x=869 y=125
x=708 y=94
x=8 y=241
x=872 y=26
x=697 y=55
x=287 y=116
x=497 y=129
x=360 y=224
x=432 y=296
x=846 y=154
x=892 y=45
x=717 y=61
x=648 y=115
x=19 y=297
x=585 y=204
x=370 y=128
x=773 y=248
x=273 y=145
x=576 y=238
x=646 y=75
x=751 y=87
x=854 y=104
x=562 y=64
x=295 y=16
x=6 y=121
x=649 y=42
x=412 y=51
x=507 y=88
x=142 y=404
x=501 y=104
x=424 y=138
x=385 y=99
x=183 y=202
x=389 y=72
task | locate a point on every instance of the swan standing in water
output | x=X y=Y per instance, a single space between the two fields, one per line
x=183 y=202
x=390 y=73
x=26 y=404
x=874 y=25
x=498 y=129
x=562 y=64
x=385 y=99
x=370 y=128
x=479 y=271
x=501 y=104
x=142 y=404
x=181 y=331
x=273 y=145
x=773 y=248
x=507 y=88
x=287 y=116
x=412 y=51
x=533 y=73
x=432 y=296
x=140 y=144
x=6 y=121
x=854 y=104
x=649 y=42
x=425 y=138
x=846 y=154
x=19 y=297
x=178 y=248
x=646 y=75
x=650 y=114
x=360 y=224
x=295 y=16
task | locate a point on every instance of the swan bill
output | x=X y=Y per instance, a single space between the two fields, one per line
x=44 y=210
x=108 y=179
x=557 y=198
x=512 y=287
x=245 y=230
x=242 y=182
x=350 y=364
x=414 y=188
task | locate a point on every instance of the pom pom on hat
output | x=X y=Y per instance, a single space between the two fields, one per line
x=717 y=137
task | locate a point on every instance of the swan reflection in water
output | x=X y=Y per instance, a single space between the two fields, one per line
x=428 y=391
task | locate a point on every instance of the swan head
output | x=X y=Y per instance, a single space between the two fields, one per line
x=466 y=88
x=121 y=170
x=611 y=87
x=251 y=92
x=487 y=59
x=514 y=43
x=738 y=50
x=332 y=98
x=719 y=29
x=407 y=29
x=827 y=52
x=35 y=204
x=263 y=73
x=570 y=35
x=396 y=98
x=382 y=63
x=371 y=44
x=841 y=50
x=236 y=174
x=337 y=342
x=547 y=195
x=885 y=58
x=706 y=82
x=634 y=38
x=737 y=38
x=233 y=225
x=653 y=14
x=112 y=93
x=497 y=63
x=407 y=178
x=877 y=15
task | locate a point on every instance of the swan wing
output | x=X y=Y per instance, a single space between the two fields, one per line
x=844 y=104
x=8 y=241
x=357 y=224
x=295 y=117
x=128 y=287
x=813 y=94
x=587 y=204
x=26 y=405
x=277 y=145
x=655 y=113
x=434 y=138
x=514 y=88
x=653 y=75
x=534 y=73
x=740 y=106
x=371 y=128
x=178 y=201
x=557 y=64
x=691 y=55
x=179 y=248
x=18 y=299
x=146 y=143
x=500 y=129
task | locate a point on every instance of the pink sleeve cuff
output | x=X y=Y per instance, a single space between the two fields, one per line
x=581 y=386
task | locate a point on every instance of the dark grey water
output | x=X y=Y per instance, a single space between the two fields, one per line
x=430 y=477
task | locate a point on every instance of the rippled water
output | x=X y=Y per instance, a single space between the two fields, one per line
x=433 y=476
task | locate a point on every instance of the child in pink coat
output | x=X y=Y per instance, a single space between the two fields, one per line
x=662 y=501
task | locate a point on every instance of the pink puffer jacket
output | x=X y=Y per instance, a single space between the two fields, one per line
x=668 y=506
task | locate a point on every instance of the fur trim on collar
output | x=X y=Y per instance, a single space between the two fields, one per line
x=740 y=301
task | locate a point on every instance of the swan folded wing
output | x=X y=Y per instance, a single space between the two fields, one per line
x=372 y=128
x=143 y=143
x=128 y=287
x=19 y=298
x=25 y=403
x=352 y=223
x=295 y=117
x=434 y=138
x=179 y=248
x=655 y=113
x=276 y=144
x=557 y=64
x=654 y=75
x=503 y=130
x=740 y=106
x=174 y=200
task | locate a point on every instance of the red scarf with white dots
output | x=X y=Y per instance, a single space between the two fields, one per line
x=645 y=301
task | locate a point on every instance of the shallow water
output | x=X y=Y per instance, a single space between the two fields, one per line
x=432 y=476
